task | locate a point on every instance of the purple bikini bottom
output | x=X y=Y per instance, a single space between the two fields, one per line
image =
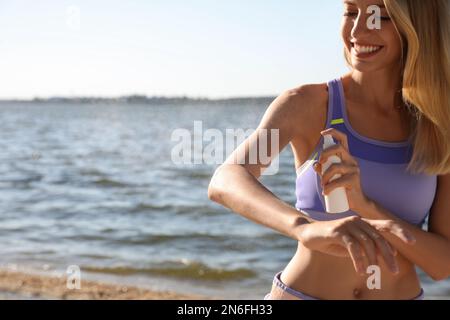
x=280 y=291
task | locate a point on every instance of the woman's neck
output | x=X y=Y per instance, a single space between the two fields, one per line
x=379 y=90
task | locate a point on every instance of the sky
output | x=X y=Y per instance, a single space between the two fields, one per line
x=197 y=48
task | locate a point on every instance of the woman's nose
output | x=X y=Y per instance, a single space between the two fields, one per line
x=359 y=26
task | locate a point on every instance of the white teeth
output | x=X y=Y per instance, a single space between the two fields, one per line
x=366 y=49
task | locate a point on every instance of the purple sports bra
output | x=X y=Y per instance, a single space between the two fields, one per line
x=384 y=178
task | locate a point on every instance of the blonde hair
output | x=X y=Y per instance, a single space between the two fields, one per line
x=424 y=30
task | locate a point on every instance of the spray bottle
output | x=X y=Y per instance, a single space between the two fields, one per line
x=336 y=201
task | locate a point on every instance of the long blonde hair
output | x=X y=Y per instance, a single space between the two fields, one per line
x=424 y=30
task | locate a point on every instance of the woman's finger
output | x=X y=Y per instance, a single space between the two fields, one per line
x=339 y=151
x=383 y=246
x=346 y=181
x=338 y=168
x=338 y=135
x=367 y=243
x=354 y=249
x=375 y=236
x=317 y=167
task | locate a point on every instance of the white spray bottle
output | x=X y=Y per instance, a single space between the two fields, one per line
x=336 y=201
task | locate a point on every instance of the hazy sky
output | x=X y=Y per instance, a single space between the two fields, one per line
x=166 y=47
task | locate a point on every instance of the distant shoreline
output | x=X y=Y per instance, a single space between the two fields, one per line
x=137 y=99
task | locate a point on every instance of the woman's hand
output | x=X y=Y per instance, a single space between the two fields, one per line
x=357 y=238
x=348 y=169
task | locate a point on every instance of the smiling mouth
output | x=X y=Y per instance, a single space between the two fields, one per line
x=365 y=50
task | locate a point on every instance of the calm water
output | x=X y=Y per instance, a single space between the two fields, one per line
x=95 y=186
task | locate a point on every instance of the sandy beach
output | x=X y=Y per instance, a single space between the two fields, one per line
x=20 y=285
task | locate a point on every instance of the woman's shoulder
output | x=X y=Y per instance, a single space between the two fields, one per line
x=304 y=99
x=308 y=95
x=308 y=104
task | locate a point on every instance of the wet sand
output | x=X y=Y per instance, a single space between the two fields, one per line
x=20 y=285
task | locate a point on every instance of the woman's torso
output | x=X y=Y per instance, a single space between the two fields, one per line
x=329 y=277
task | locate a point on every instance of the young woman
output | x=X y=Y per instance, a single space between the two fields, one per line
x=390 y=118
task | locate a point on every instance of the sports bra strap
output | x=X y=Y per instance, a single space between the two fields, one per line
x=335 y=95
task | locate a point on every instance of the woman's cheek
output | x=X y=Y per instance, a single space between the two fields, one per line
x=345 y=33
x=394 y=41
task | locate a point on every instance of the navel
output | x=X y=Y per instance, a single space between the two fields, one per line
x=357 y=293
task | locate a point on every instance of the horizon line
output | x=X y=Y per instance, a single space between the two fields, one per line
x=133 y=96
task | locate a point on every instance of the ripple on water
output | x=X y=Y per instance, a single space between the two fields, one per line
x=110 y=183
x=183 y=269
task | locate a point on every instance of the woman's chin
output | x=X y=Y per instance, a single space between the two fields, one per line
x=362 y=66
x=372 y=65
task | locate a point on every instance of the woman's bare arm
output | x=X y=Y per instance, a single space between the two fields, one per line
x=235 y=183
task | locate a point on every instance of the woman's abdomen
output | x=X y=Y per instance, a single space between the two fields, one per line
x=328 y=277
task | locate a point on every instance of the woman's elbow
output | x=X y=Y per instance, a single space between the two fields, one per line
x=212 y=193
x=213 y=187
